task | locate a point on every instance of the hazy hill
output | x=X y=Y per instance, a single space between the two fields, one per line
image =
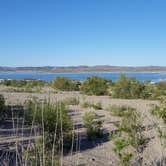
x=102 y=68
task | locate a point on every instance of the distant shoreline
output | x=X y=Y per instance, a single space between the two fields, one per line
x=72 y=72
x=86 y=69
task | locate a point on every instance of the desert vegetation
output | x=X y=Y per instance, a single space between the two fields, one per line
x=124 y=87
x=30 y=86
x=81 y=117
x=96 y=106
x=94 y=86
x=65 y=84
x=160 y=112
x=93 y=125
x=128 y=88
x=49 y=121
x=72 y=101
x=23 y=83
x=55 y=125
x=130 y=134
x=2 y=107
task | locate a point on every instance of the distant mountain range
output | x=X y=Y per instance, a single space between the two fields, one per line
x=100 y=68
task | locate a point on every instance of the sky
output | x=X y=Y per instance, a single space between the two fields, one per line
x=82 y=32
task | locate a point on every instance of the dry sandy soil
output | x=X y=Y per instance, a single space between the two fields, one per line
x=102 y=154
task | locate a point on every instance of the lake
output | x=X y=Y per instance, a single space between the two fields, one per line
x=143 y=76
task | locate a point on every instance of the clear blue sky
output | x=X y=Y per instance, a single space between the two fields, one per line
x=82 y=32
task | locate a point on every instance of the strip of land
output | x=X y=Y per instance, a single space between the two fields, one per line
x=99 y=68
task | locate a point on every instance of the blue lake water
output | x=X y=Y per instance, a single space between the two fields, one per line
x=143 y=76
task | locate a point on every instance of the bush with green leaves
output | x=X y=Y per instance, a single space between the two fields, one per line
x=65 y=84
x=96 y=106
x=129 y=132
x=125 y=159
x=130 y=121
x=94 y=86
x=120 y=144
x=72 y=101
x=2 y=103
x=54 y=117
x=161 y=87
x=120 y=111
x=2 y=107
x=93 y=125
x=128 y=88
x=158 y=90
x=160 y=110
x=39 y=157
x=55 y=128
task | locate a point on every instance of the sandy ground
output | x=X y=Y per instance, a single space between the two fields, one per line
x=103 y=153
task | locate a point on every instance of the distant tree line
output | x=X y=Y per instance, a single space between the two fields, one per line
x=23 y=83
x=124 y=87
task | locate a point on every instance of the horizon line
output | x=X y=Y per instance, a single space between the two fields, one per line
x=83 y=66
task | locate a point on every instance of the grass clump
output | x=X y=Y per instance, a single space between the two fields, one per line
x=120 y=144
x=96 y=106
x=72 y=101
x=86 y=104
x=37 y=157
x=55 y=127
x=2 y=107
x=130 y=132
x=113 y=136
x=160 y=110
x=125 y=159
x=54 y=117
x=93 y=125
x=120 y=111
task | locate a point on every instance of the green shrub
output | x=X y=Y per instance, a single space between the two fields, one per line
x=2 y=102
x=130 y=122
x=96 y=106
x=156 y=110
x=93 y=125
x=125 y=159
x=65 y=84
x=136 y=138
x=160 y=89
x=120 y=144
x=2 y=107
x=121 y=111
x=52 y=120
x=94 y=86
x=128 y=88
x=52 y=115
x=35 y=156
x=86 y=104
x=111 y=137
x=160 y=110
x=72 y=101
